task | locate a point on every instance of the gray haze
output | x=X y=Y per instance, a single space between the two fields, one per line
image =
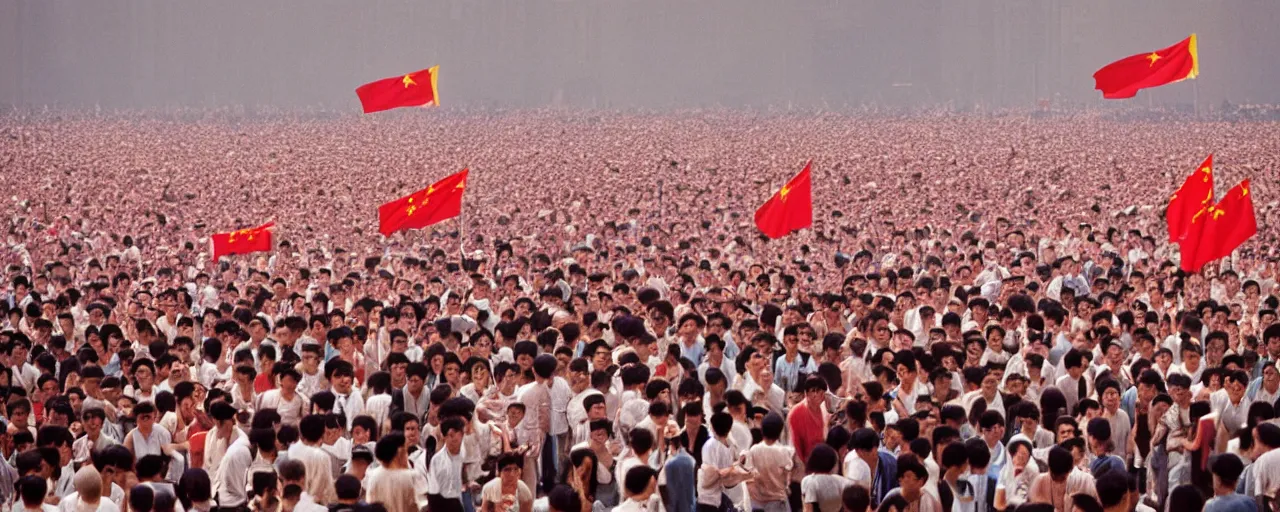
x=622 y=53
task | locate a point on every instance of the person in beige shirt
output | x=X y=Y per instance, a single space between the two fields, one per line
x=1063 y=481
x=772 y=463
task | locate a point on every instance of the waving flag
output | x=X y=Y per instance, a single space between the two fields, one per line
x=1220 y=229
x=790 y=209
x=1195 y=194
x=417 y=89
x=243 y=241
x=440 y=201
x=1122 y=78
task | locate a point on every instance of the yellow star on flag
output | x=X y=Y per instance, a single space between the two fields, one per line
x=782 y=194
x=1153 y=58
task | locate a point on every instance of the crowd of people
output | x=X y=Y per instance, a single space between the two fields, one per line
x=985 y=316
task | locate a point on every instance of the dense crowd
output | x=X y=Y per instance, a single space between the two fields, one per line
x=986 y=315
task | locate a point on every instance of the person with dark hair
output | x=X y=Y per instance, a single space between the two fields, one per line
x=771 y=462
x=1266 y=462
x=1109 y=394
x=392 y=482
x=719 y=471
x=285 y=399
x=30 y=492
x=1226 y=469
x=563 y=498
x=640 y=485
x=1074 y=388
x=318 y=482
x=807 y=419
x=873 y=468
x=536 y=427
x=822 y=487
x=508 y=491
x=1186 y=498
x=1100 y=441
x=1063 y=481
x=855 y=498
x=194 y=491
x=911 y=478
x=444 y=476
x=716 y=358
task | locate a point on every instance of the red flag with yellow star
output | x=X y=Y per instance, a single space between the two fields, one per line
x=1195 y=194
x=1218 y=230
x=1122 y=79
x=243 y=241
x=417 y=89
x=790 y=209
x=441 y=201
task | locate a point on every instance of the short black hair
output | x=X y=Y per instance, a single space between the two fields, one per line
x=638 y=477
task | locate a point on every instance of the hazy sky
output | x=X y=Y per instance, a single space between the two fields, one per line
x=622 y=53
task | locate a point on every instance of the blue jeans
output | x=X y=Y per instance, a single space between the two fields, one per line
x=468 y=503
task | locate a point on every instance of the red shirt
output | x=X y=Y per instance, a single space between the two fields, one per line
x=262 y=383
x=807 y=429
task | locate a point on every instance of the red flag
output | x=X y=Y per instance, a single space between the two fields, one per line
x=790 y=209
x=1219 y=229
x=243 y=241
x=417 y=89
x=1195 y=194
x=442 y=200
x=1122 y=78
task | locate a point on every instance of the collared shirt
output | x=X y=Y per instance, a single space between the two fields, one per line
x=445 y=476
x=215 y=446
x=231 y=480
x=786 y=374
x=350 y=405
x=1231 y=416
x=561 y=393
x=715 y=456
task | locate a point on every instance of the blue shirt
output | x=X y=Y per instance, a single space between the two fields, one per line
x=787 y=374
x=1231 y=503
x=682 y=494
x=1128 y=401
x=1106 y=463
x=692 y=353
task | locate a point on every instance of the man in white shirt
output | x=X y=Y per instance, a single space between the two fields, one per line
x=88 y=494
x=1230 y=403
x=640 y=484
x=347 y=402
x=319 y=467
x=231 y=476
x=719 y=470
x=286 y=400
x=444 y=480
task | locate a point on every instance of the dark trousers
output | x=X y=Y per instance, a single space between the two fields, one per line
x=549 y=456
x=725 y=505
x=438 y=503
x=794 y=497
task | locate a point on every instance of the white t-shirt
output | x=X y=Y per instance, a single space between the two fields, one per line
x=492 y=493
x=857 y=470
x=824 y=490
